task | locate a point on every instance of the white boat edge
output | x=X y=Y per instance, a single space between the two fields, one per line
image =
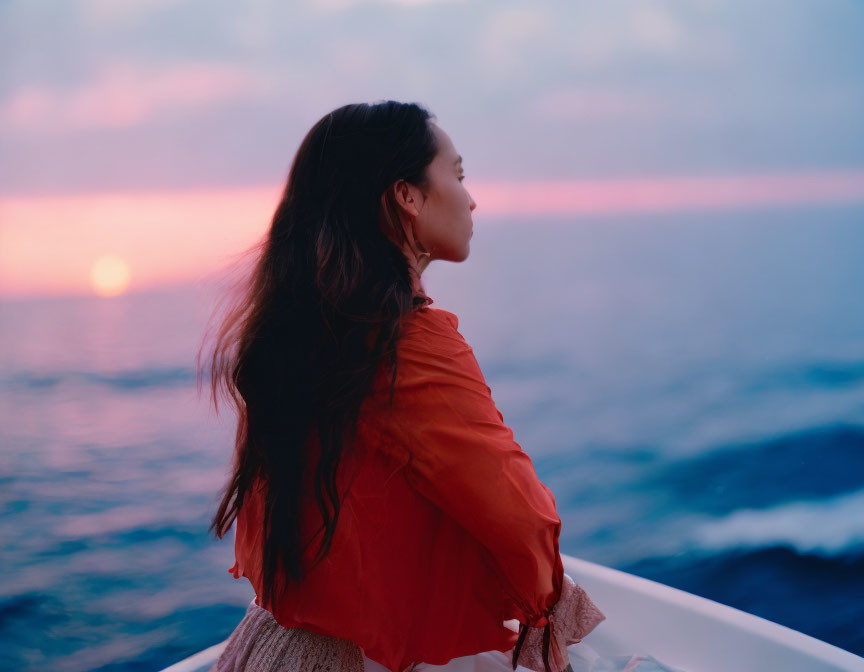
x=744 y=642
x=678 y=628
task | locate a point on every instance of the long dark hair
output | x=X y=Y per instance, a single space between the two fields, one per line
x=320 y=311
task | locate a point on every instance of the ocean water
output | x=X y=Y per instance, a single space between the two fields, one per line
x=690 y=386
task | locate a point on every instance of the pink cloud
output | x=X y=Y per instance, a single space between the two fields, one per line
x=620 y=196
x=123 y=95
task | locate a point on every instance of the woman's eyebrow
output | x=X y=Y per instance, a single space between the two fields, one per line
x=458 y=159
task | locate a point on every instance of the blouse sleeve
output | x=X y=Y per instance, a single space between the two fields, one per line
x=465 y=460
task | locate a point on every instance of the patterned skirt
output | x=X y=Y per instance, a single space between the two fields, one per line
x=260 y=644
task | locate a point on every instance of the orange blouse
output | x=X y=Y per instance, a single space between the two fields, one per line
x=445 y=530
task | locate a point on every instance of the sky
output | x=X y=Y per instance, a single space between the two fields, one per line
x=162 y=131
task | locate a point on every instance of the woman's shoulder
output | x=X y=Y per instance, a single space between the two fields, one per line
x=431 y=340
x=431 y=349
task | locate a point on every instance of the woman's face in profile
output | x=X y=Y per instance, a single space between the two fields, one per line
x=444 y=225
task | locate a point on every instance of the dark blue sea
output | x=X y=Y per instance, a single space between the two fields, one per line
x=690 y=386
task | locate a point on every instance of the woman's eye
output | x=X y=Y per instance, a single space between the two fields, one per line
x=461 y=177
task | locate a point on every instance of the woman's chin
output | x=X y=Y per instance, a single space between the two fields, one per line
x=456 y=255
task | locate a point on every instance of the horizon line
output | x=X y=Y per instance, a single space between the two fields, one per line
x=49 y=243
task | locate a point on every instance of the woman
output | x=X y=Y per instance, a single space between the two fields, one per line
x=385 y=516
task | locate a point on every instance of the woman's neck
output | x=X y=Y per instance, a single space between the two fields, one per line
x=416 y=266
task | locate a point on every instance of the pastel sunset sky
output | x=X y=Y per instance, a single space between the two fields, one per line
x=161 y=132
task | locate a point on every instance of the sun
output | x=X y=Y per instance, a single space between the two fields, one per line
x=109 y=275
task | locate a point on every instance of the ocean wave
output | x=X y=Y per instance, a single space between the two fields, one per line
x=130 y=379
x=814 y=464
x=817 y=374
x=831 y=526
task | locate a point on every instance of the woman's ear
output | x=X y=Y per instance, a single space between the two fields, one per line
x=404 y=195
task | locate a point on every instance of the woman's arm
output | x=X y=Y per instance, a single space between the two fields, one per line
x=465 y=460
